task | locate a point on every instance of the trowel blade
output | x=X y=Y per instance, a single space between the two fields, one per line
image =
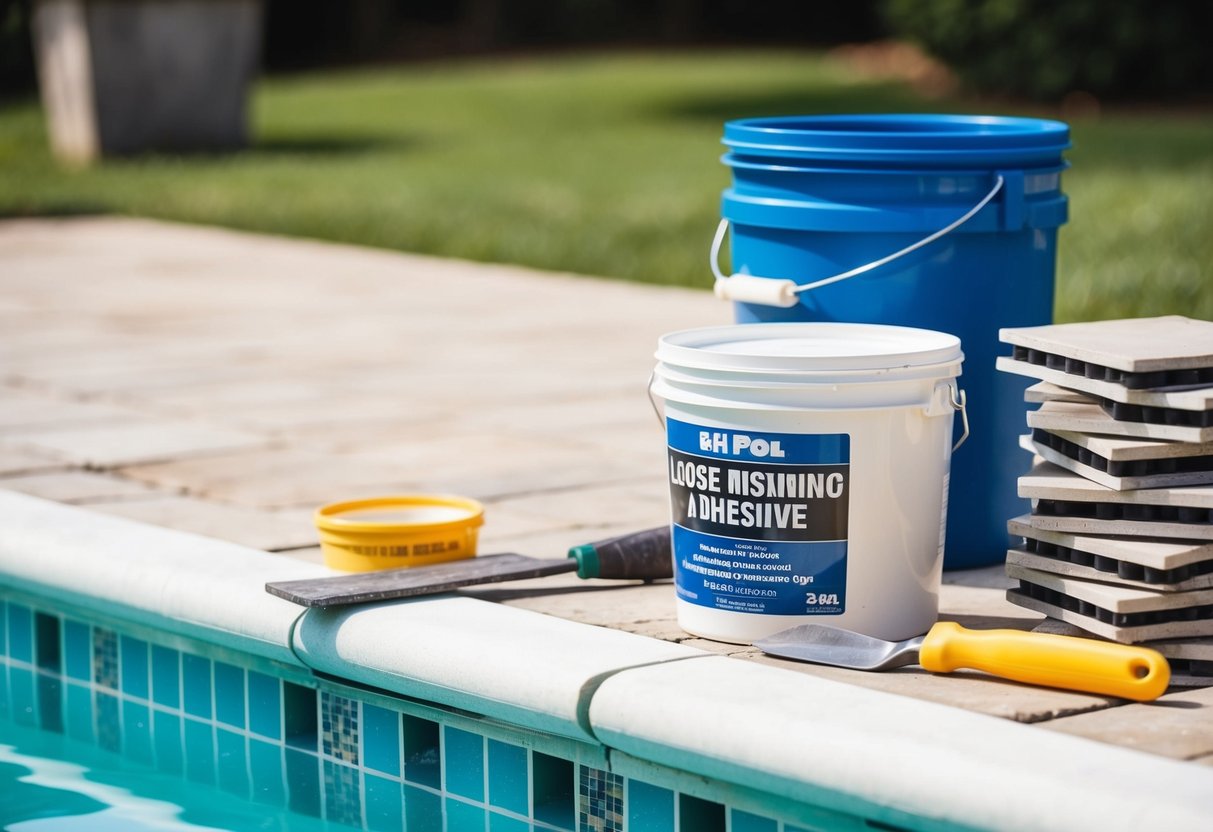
x=822 y=644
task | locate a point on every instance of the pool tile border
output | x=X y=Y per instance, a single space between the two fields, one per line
x=376 y=759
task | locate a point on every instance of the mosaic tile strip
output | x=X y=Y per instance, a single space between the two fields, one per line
x=105 y=658
x=600 y=801
x=342 y=794
x=318 y=750
x=339 y=727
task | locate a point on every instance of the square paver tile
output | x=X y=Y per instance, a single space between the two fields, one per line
x=255 y=528
x=76 y=486
x=135 y=441
x=1165 y=726
x=15 y=460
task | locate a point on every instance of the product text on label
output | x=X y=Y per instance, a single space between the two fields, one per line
x=760 y=519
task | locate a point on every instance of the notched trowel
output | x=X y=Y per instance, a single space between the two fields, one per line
x=640 y=556
x=1080 y=664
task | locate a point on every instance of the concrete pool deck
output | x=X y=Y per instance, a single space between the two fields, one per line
x=225 y=384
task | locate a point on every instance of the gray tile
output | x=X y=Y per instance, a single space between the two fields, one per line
x=281 y=477
x=140 y=440
x=256 y=528
x=18 y=461
x=22 y=410
x=1170 y=726
x=76 y=486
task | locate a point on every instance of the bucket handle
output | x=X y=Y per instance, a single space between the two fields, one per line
x=747 y=288
x=958 y=400
x=653 y=399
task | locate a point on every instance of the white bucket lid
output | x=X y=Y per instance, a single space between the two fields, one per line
x=807 y=348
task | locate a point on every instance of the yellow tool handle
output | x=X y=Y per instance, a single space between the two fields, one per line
x=1045 y=659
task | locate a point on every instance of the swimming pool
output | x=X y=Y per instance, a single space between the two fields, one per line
x=232 y=740
x=451 y=713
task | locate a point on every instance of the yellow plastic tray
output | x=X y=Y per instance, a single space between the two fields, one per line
x=404 y=530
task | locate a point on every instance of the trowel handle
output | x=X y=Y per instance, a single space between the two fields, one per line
x=639 y=556
x=1056 y=661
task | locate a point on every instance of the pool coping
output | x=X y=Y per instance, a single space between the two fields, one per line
x=646 y=701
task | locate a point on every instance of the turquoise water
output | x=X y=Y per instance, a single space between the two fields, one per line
x=50 y=783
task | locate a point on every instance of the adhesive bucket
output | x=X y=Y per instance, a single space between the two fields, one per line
x=808 y=468
x=942 y=222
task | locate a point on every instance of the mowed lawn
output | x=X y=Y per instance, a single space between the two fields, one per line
x=609 y=165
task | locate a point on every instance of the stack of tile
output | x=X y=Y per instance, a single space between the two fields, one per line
x=1120 y=539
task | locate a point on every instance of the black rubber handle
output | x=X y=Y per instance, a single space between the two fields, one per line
x=639 y=556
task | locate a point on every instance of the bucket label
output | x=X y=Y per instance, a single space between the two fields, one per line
x=760 y=519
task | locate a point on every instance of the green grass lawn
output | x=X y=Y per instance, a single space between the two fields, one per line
x=608 y=165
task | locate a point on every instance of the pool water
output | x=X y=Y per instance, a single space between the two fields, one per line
x=49 y=783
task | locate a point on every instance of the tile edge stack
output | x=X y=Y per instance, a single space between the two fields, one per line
x=1119 y=543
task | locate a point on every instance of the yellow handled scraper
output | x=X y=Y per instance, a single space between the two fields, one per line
x=1082 y=664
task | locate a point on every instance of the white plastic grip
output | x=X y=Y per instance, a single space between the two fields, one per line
x=747 y=289
x=767 y=291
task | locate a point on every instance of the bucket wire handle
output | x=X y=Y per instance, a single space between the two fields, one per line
x=748 y=288
x=653 y=399
x=957 y=398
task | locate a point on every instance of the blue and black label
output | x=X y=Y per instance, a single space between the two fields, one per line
x=760 y=519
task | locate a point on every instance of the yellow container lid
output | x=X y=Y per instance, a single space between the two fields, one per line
x=398 y=531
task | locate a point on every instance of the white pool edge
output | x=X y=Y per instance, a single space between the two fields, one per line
x=789 y=734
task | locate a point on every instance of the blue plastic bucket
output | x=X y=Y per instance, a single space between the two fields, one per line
x=960 y=214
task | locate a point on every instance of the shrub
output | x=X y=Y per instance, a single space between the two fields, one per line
x=1044 y=49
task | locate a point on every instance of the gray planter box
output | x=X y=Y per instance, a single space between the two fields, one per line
x=125 y=76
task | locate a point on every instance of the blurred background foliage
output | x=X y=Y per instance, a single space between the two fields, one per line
x=1038 y=49
x=489 y=130
x=1045 y=49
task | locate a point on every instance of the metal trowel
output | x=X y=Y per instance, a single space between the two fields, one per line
x=639 y=556
x=1081 y=664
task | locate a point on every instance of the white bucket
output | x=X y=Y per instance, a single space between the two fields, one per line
x=808 y=469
